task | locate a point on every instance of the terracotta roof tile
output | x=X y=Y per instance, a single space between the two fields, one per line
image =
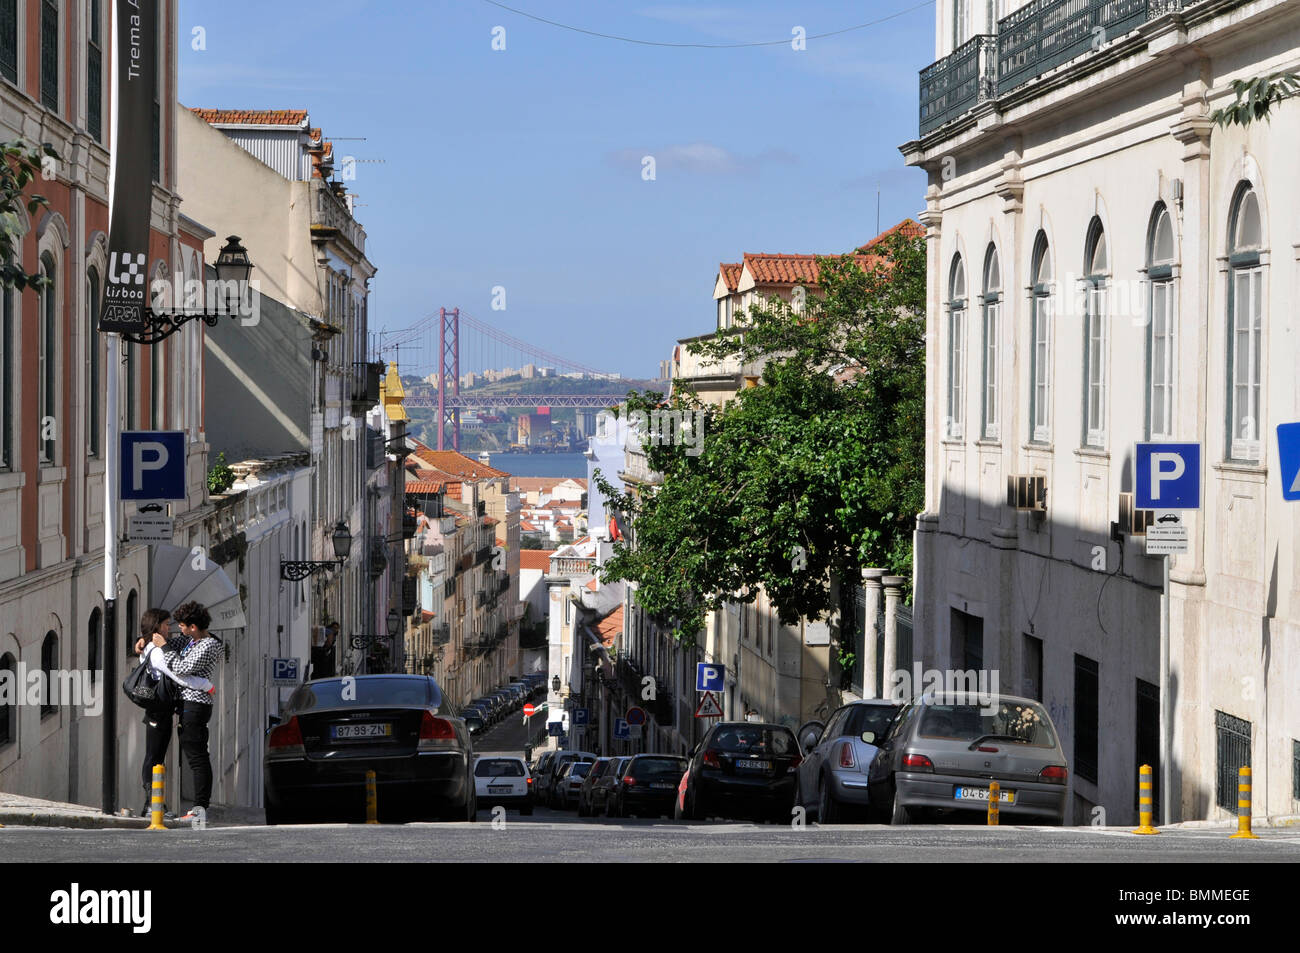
x=250 y=117
x=907 y=228
x=535 y=559
x=455 y=463
x=424 y=486
x=731 y=274
x=610 y=627
x=792 y=269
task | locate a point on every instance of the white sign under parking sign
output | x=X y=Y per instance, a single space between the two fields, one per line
x=1167 y=534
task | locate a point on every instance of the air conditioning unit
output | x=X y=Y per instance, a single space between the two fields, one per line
x=1027 y=492
x=1132 y=521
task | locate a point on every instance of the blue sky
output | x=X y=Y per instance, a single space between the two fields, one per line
x=522 y=168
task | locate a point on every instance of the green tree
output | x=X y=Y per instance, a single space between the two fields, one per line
x=1256 y=97
x=21 y=165
x=813 y=474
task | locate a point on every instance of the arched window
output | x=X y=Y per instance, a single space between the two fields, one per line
x=992 y=304
x=48 y=364
x=1040 y=345
x=94 y=364
x=9 y=700
x=1245 y=326
x=49 y=667
x=1095 y=320
x=94 y=635
x=1161 y=308
x=130 y=624
x=956 y=347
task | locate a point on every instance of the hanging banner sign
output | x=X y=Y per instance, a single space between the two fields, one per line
x=135 y=41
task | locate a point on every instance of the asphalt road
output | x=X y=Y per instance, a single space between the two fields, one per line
x=562 y=837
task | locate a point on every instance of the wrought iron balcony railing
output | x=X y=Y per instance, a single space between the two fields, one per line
x=957 y=83
x=1038 y=37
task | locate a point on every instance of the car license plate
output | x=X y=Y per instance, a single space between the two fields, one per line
x=982 y=794
x=384 y=730
x=499 y=789
x=663 y=786
x=754 y=765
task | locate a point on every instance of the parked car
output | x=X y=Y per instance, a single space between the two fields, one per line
x=474 y=722
x=319 y=750
x=545 y=783
x=832 y=778
x=742 y=769
x=569 y=782
x=599 y=769
x=601 y=797
x=538 y=769
x=649 y=786
x=943 y=751
x=504 y=781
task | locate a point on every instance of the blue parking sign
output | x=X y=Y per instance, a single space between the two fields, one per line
x=621 y=729
x=284 y=672
x=1288 y=458
x=581 y=716
x=710 y=677
x=152 y=465
x=1168 y=476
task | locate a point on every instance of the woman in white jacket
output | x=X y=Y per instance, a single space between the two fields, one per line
x=158 y=721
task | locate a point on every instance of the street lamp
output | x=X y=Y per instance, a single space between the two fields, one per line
x=233 y=268
x=232 y=261
x=394 y=623
x=297 y=569
x=555 y=684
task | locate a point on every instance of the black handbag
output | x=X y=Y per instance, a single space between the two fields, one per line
x=141 y=687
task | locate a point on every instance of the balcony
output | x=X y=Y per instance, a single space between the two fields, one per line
x=957 y=83
x=441 y=633
x=1038 y=37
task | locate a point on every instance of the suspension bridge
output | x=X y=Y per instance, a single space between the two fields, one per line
x=452 y=340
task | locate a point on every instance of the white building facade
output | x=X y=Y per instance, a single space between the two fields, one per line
x=1107 y=266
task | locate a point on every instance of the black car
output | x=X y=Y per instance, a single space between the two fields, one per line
x=334 y=730
x=648 y=786
x=742 y=769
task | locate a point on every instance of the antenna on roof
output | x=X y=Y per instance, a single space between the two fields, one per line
x=877 y=209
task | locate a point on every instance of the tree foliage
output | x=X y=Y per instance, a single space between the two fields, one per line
x=21 y=165
x=814 y=474
x=1256 y=97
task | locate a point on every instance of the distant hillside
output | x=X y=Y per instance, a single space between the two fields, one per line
x=499 y=436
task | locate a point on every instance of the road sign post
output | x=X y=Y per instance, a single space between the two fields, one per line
x=1168 y=480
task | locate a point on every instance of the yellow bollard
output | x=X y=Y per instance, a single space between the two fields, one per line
x=372 y=799
x=1144 y=802
x=156 y=802
x=995 y=794
x=1243 y=806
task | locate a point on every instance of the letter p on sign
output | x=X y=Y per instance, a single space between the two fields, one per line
x=153 y=465
x=1168 y=476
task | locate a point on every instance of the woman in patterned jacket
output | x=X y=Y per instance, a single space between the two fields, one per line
x=198 y=654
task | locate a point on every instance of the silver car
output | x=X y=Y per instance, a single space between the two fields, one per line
x=832 y=779
x=944 y=749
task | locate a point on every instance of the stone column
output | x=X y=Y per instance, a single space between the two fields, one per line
x=893 y=593
x=870 y=633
